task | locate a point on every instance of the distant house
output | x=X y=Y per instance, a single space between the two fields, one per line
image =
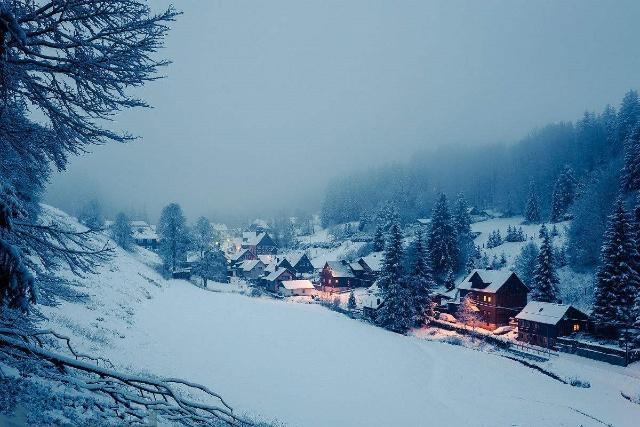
x=260 y=244
x=363 y=272
x=273 y=281
x=296 y=287
x=252 y=269
x=284 y=262
x=371 y=302
x=258 y=226
x=336 y=276
x=541 y=323
x=242 y=256
x=499 y=295
x=144 y=234
x=300 y=262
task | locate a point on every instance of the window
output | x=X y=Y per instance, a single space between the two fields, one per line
x=576 y=327
x=488 y=299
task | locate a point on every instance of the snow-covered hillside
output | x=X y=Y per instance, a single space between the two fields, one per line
x=305 y=365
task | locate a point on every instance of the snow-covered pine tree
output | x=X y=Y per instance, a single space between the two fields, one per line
x=351 y=302
x=564 y=192
x=628 y=114
x=202 y=234
x=397 y=313
x=378 y=240
x=462 y=226
x=532 y=208
x=420 y=280
x=174 y=238
x=442 y=240
x=450 y=279
x=631 y=170
x=121 y=232
x=617 y=277
x=212 y=266
x=526 y=263
x=392 y=270
x=545 y=280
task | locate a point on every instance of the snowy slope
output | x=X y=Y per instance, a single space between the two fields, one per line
x=305 y=365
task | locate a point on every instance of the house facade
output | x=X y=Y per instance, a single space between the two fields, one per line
x=296 y=288
x=498 y=295
x=260 y=244
x=273 y=281
x=252 y=269
x=301 y=263
x=541 y=323
x=337 y=276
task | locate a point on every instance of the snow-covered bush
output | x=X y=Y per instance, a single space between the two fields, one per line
x=577 y=382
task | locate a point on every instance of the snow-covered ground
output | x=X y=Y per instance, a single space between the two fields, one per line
x=305 y=365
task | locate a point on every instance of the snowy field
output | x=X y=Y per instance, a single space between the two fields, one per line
x=304 y=365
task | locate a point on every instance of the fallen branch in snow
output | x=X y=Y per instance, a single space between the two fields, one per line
x=134 y=396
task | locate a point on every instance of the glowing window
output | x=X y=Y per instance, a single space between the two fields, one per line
x=576 y=327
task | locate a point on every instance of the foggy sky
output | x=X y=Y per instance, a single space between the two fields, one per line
x=266 y=101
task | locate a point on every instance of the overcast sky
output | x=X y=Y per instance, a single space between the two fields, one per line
x=266 y=101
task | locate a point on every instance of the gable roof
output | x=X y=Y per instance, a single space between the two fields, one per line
x=273 y=276
x=493 y=279
x=295 y=257
x=297 y=284
x=250 y=264
x=339 y=269
x=238 y=255
x=545 y=312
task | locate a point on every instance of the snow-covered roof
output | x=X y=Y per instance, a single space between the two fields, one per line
x=297 y=284
x=137 y=223
x=275 y=274
x=339 y=269
x=356 y=266
x=250 y=264
x=294 y=257
x=543 y=312
x=423 y=221
x=267 y=259
x=238 y=255
x=374 y=261
x=373 y=297
x=494 y=279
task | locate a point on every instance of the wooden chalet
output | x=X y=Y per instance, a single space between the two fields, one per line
x=499 y=295
x=363 y=272
x=284 y=262
x=260 y=244
x=144 y=234
x=252 y=269
x=541 y=323
x=337 y=276
x=273 y=280
x=301 y=263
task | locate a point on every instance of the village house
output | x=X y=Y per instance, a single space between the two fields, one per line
x=144 y=234
x=371 y=302
x=284 y=262
x=300 y=262
x=252 y=269
x=499 y=295
x=337 y=276
x=541 y=323
x=259 y=244
x=258 y=226
x=273 y=281
x=296 y=288
x=363 y=272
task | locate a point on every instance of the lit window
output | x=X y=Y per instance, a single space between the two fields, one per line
x=488 y=299
x=576 y=327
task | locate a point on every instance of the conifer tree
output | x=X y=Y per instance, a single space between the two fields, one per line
x=628 y=114
x=351 y=302
x=532 y=209
x=450 y=280
x=442 y=240
x=462 y=226
x=378 y=240
x=121 y=232
x=420 y=281
x=631 y=170
x=397 y=313
x=564 y=192
x=468 y=313
x=545 y=280
x=392 y=270
x=526 y=263
x=617 y=278
x=174 y=239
